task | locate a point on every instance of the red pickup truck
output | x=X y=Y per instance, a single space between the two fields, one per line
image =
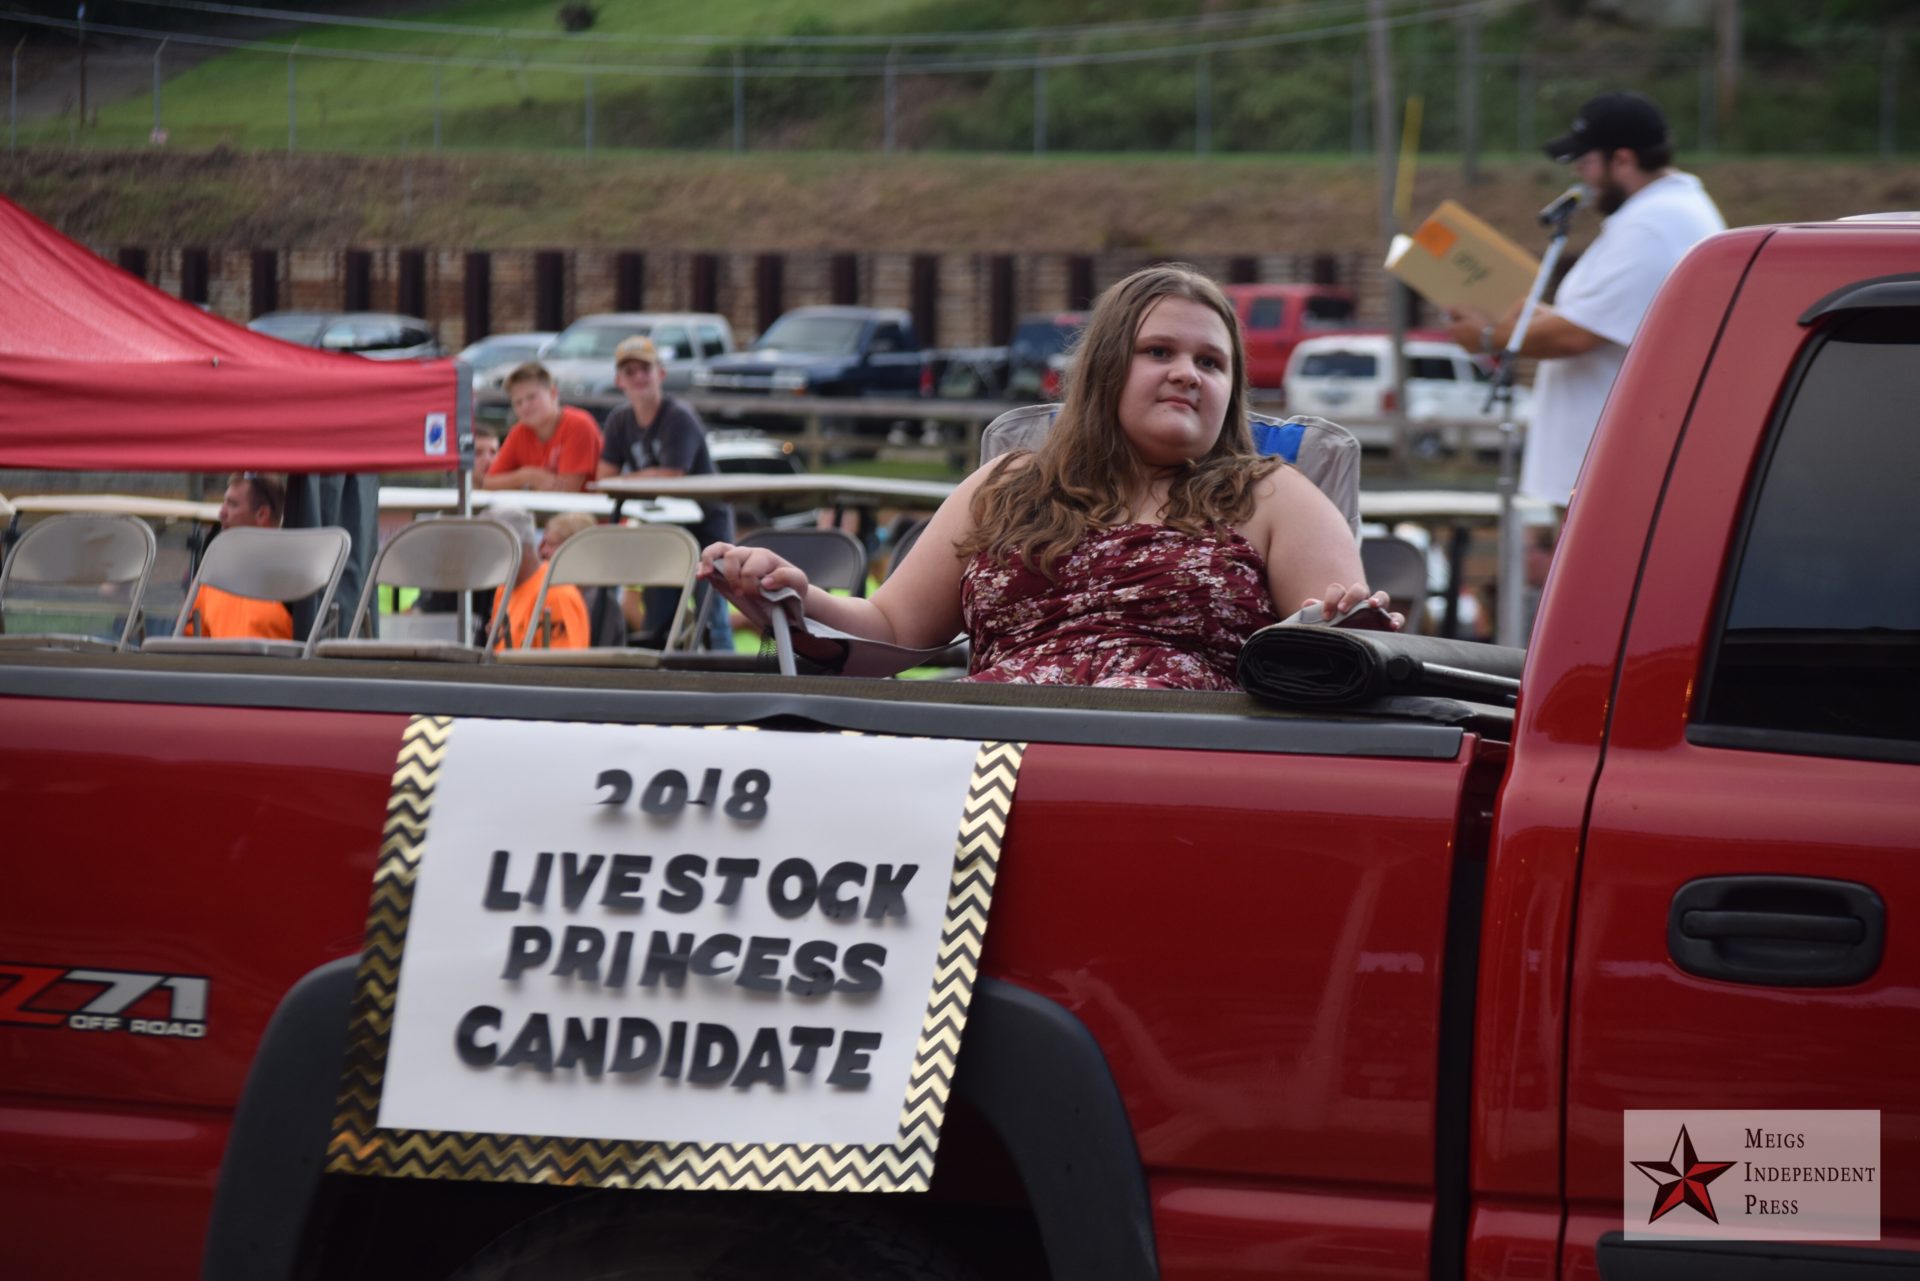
x=1359 y=993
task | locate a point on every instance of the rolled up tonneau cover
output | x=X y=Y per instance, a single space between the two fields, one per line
x=1312 y=666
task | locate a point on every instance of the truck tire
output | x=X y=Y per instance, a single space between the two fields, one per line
x=628 y=1236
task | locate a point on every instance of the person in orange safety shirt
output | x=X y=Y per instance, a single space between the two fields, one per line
x=257 y=501
x=552 y=446
x=567 y=626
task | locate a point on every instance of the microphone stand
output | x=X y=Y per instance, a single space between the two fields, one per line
x=1512 y=571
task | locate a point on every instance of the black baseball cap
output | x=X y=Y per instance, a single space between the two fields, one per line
x=1608 y=122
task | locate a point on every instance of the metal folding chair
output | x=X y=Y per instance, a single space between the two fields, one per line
x=265 y=564
x=85 y=553
x=1398 y=568
x=832 y=559
x=440 y=554
x=615 y=556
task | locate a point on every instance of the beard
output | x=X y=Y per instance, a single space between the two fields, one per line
x=1609 y=196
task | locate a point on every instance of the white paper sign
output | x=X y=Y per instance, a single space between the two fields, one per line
x=674 y=935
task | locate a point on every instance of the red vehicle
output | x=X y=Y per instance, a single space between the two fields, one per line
x=1274 y=318
x=1344 y=994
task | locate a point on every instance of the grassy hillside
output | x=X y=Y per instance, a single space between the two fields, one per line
x=1812 y=82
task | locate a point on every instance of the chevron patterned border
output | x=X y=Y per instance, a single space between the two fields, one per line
x=359 y=1146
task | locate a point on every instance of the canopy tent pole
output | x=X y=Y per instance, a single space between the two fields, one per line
x=463 y=436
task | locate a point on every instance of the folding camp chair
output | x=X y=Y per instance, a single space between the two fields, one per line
x=265 y=564
x=1326 y=453
x=441 y=554
x=615 y=556
x=79 y=552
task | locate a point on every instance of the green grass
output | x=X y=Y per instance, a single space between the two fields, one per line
x=240 y=99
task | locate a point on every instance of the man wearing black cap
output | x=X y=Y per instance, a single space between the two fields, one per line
x=1622 y=153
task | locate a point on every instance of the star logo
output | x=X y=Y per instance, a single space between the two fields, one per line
x=1682 y=1179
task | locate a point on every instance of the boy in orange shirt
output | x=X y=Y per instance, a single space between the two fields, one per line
x=566 y=612
x=251 y=501
x=552 y=446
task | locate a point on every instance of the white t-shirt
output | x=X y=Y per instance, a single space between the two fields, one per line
x=1607 y=292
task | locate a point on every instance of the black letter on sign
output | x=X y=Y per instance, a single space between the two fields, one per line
x=534 y=1046
x=466 y=1038
x=576 y=878
x=715 y=1054
x=706 y=958
x=841 y=874
x=735 y=870
x=542 y=871
x=850 y=1064
x=622 y=892
x=580 y=949
x=763 y=1066
x=666 y=958
x=889 y=890
x=499 y=898
x=795 y=868
x=760 y=970
x=810 y=1040
x=863 y=968
x=638 y=1047
x=683 y=883
x=584 y=1047
x=619 y=784
x=813 y=968
x=529 y=946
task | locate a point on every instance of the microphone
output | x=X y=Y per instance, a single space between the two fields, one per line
x=1564 y=204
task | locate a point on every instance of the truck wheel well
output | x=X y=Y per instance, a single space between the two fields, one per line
x=1028 y=1069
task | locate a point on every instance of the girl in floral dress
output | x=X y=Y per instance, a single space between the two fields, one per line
x=1138 y=546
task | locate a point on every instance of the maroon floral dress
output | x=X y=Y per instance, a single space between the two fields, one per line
x=1134 y=607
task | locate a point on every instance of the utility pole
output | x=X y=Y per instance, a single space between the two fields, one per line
x=1727 y=41
x=1380 y=52
x=1470 y=94
x=81 y=17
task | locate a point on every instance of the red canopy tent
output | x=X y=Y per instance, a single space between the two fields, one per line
x=100 y=371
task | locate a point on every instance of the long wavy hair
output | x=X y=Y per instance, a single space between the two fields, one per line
x=1085 y=473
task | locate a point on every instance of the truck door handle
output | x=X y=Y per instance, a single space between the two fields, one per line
x=1773 y=925
x=1777 y=931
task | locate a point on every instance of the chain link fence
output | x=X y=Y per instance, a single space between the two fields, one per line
x=1306 y=97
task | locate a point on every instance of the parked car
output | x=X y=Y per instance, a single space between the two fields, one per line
x=494 y=356
x=377 y=335
x=1274 y=318
x=1350 y=377
x=752 y=453
x=581 y=358
x=1018 y=371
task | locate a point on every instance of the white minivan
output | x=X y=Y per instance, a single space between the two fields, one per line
x=1349 y=379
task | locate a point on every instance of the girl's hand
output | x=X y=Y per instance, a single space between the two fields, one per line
x=1339 y=599
x=745 y=572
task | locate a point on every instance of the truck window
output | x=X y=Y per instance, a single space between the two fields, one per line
x=1265 y=313
x=1819 y=636
x=1328 y=313
x=1339 y=364
x=712 y=341
x=1436 y=367
x=887 y=338
x=672 y=340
